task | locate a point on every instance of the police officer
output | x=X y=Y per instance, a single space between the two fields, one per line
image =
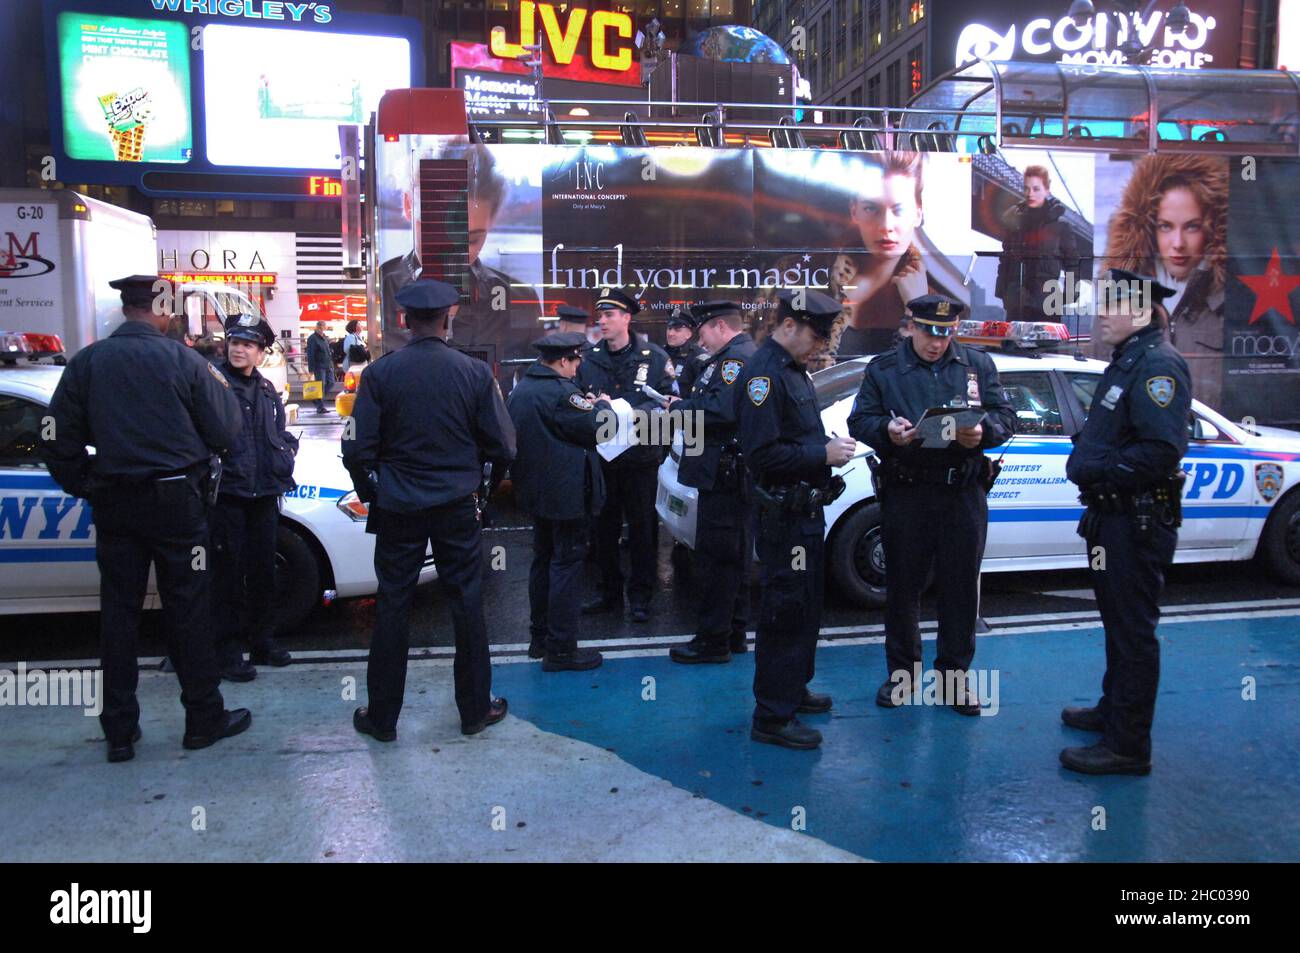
x=572 y=320
x=790 y=459
x=934 y=508
x=1126 y=465
x=722 y=545
x=683 y=353
x=427 y=420
x=156 y=413
x=619 y=366
x=557 y=479
x=256 y=471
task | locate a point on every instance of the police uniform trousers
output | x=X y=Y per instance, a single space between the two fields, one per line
x=243 y=573
x=932 y=526
x=1128 y=596
x=793 y=561
x=453 y=533
x=722 y=553
x=163 y=523
x=629 y=493
x=555 y=582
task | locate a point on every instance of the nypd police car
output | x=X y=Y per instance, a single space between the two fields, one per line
x=47 y=538
x=1241 y=499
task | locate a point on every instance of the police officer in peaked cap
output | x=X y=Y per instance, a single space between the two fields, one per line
x=557 y=480
x=683 y=353
x=1126 y=463
x=933 y=499
x=722 y=540
x=790 y=458
x=620 y=366
x=156 y=413
x=572 y=320
x=257 y=472
x=427 y=419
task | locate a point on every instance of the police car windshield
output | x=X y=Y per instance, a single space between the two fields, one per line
x=833 y=384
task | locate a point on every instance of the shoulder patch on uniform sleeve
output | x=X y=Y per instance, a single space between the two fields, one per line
x=219 y=376
x=758 y=389
x=731 y=370
x=580 y=402
x=1161 y=390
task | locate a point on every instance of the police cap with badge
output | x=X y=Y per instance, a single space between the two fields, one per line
x=568 y=314
x=812 y=308
x=616 y=298
x=936 y=315
x=248 y=327
x=424 y=300
x=682 y=318
x=1141 y=291
x=560 y=344
x=139 y=291
x=706 y=311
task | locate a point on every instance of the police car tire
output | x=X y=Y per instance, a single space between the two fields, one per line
x=297 y=579
x=843 y=561
x=1279 y=545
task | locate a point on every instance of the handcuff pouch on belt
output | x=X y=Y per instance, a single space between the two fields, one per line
x=1161 y=503
x=801 y=499
x=731 y=469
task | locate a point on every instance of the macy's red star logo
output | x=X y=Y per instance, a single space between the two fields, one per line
x=1272 y=290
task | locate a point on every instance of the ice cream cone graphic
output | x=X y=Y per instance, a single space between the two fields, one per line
x=128 y=122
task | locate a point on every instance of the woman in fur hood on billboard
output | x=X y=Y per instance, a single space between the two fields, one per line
x=1172 y=223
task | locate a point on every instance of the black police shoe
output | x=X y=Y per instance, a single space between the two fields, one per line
x=696 y=652
x=537 y=648
x=967 y=704
x=579 y=660
x=240 y=671
x=126 y=750
x=362 y=723
x=270 y=653
x=739 y=644
x=885 y=695
x=1098 y=759
x=814 y=703
x=640 y=614
x=793 y=734
x=1085 y=719
x=232 y=723
x=496 y=711
x=601 y=604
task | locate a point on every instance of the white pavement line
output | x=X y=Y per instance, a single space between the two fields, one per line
x=1071 y=594
x=654 y=644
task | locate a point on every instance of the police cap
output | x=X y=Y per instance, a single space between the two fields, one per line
x=421 y=298
x=247 y=327
x=1141 y=290
x=706 y=311
x=616 y=298
x=560 y=344
x=806 y=306
x=138 y=290
x=682 y=318
x=568 y=314
x=936 y=315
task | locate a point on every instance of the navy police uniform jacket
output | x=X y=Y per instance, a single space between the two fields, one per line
x=898 y=381
x=717 y=395
x=621 y=374
x=686 y=360
x=427 y=418
x=260 y=463
x=781 y=431
x=1136 y=432
x=556 y=473
x=149 y=405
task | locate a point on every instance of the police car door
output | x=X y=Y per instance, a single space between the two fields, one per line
x=1033 y=508
x=47 y=545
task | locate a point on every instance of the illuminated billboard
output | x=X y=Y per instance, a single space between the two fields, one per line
x=275 y=98
x=125 y=86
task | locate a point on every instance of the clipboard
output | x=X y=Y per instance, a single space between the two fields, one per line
x=930 y=428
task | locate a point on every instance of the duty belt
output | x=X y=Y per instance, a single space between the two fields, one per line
x=1161 y=502
x=960 y=474
x=802 y=498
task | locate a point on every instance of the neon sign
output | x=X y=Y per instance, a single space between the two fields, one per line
x=603 y=27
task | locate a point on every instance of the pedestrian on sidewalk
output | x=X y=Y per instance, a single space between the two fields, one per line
x=320 y=362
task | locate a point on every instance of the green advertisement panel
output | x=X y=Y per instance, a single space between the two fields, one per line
x=126 y=89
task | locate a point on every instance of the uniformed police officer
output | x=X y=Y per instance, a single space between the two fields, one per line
x=557 y=479
x=722 y=546
x=572 y=320
x=619 y=366
x=934 y=506
x=427 y=420
x=789 y=457
x=256 y=472
x=156 y=413
x=683 y=353
x=1126 y=465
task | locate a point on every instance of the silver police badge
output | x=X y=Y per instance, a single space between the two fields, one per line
x=1161 y=390
x=1112 y=396
x=580 y=402
x=731 y=370
x=758 y=389
x=1268 y=480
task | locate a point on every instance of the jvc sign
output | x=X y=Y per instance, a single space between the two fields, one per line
x=1037 y=31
